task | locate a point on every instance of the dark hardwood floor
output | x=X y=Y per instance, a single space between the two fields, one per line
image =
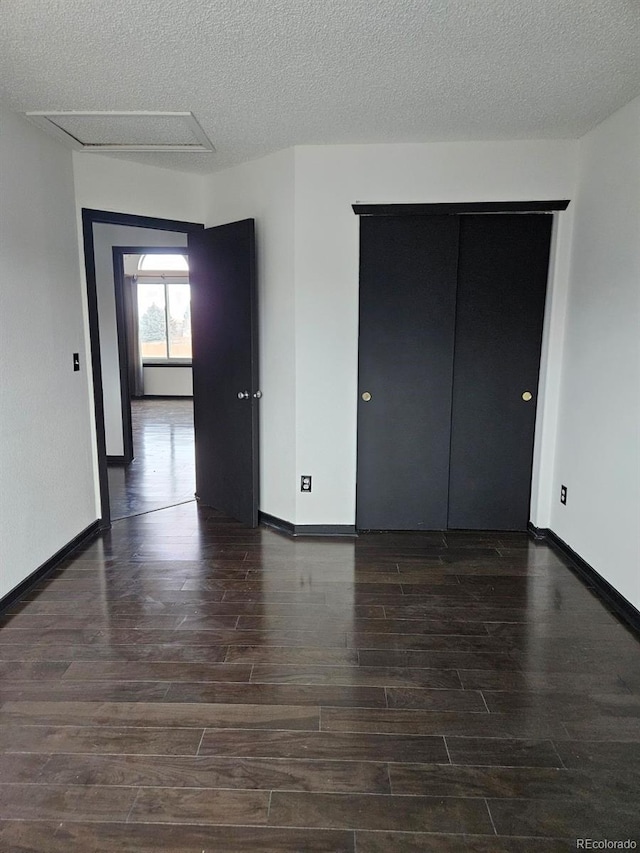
x=162 y=472
x=185 y=684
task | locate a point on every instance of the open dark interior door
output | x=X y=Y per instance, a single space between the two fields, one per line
x=224 y=330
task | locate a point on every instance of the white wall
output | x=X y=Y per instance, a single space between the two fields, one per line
x=106 y=183
x=46 y=455
x=598 y=450
x=309 y=303
x=328 y=180
x=264 y=190
x=105 y=237
x=167 y=381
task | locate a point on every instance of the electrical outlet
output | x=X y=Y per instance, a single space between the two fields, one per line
x=305 y=483
x=563 y=495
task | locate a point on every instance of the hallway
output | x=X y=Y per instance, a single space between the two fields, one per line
x=162 y=473
x=185 y=684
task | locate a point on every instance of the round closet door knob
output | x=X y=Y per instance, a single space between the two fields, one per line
x=527 y=396
x=366 y=396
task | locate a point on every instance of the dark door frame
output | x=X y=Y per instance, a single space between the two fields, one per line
x=438 y=209
x=90 y=218
x=123 y=342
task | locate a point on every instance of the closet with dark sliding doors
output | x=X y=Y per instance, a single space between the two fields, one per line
x=451 y=316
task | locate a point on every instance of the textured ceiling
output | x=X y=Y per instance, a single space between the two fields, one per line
x=261 y=75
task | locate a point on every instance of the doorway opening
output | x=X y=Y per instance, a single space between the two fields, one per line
x=104 y=231
x=153 y=331
x=153 y=318
x=225 y=358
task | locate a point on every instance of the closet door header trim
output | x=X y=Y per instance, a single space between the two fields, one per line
x=460 y=207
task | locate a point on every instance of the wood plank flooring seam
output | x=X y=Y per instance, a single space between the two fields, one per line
x=483 y=699
x=486 y=802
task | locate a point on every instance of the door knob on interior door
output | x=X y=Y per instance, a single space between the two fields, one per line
x=258 y=395
x=243 y=395
x=527 y=396
x=366 y=396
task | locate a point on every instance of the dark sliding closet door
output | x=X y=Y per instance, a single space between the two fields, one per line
x=451 y=314
x=502 y=282
x=407 y=317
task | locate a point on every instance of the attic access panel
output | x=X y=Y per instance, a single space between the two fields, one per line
x=124 y=131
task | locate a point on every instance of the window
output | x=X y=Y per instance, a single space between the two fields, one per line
x=169 y=263
x=164 y=317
